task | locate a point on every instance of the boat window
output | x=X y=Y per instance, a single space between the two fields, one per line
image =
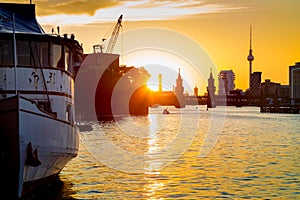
x=6 y=52
x=69 y=60
x=57 y=59
x=23 y=53
x=35 y=54
x=62 y=57
x=45 y=54
x=40 y=54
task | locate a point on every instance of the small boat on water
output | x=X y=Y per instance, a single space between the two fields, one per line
x=38 y=135
x=166 y=111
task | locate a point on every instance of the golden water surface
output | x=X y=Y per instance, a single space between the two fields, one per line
x=254 y=156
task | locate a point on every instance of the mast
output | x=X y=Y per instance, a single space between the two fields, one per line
x=15 y=52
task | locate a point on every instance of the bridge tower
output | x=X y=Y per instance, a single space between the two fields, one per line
x=179 y=89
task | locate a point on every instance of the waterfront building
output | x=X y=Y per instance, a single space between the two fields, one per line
x=284 y=91
x=226 y=82
x=284 y=95
x=294 y=80
x=270 y=92
x=255 y=81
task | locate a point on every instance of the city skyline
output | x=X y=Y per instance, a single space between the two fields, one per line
x=221 y=28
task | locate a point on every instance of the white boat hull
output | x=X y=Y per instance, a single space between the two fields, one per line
x=56 y=142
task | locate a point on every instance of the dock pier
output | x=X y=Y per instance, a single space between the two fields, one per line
x=277 y=109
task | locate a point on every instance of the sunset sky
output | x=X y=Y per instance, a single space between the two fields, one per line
x=221 y=27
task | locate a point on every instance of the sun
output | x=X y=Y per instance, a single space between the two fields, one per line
x=158 y=61
x=165 y=49
x=162 y=78
x=152 y=86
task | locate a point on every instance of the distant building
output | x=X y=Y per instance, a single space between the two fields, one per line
x=226 y=82
x=294 y=80
x=270 y=92
x=179 y=89
x=255 y=81
x=211 y=84
x=176 y=97
x=284 y=94
x=211 y=89
x=284 y=91
x=196 y=91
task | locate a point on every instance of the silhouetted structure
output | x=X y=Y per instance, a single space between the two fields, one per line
x=269 y=92
x=284 y=95
x=250 y=57
x=107 y=89
x=159 y=82
x=255 y=81
x=226 y=82
x=196 y=91
x=211 y=89
x=179 y=89
x=169 y=98
x=254 y=91
x=294 y=81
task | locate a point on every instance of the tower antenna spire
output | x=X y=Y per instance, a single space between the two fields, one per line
x=251 y=37
x=250 y=57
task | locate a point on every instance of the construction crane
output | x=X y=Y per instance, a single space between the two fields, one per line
x=114 y=36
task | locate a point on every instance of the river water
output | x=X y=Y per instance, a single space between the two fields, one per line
x=191 y=153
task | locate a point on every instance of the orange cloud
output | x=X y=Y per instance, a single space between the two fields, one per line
x=47 y=7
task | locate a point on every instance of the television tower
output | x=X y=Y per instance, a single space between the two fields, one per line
x=250 y=57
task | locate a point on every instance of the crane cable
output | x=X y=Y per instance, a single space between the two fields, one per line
x=122 y=47
x=109 y=32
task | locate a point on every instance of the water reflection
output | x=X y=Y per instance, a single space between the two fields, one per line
x=256 y=156
x=153 y=184
x=61 y=188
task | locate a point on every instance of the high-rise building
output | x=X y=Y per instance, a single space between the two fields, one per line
x=294 y=80
x=255 y=81
x=226 y=82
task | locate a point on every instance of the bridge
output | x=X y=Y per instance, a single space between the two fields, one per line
x=144 y=98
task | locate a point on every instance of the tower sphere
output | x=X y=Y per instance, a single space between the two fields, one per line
x=250 y=58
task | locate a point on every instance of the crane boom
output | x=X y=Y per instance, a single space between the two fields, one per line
x=114 y=36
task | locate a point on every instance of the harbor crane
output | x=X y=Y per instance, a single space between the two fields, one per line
x=114 y=36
